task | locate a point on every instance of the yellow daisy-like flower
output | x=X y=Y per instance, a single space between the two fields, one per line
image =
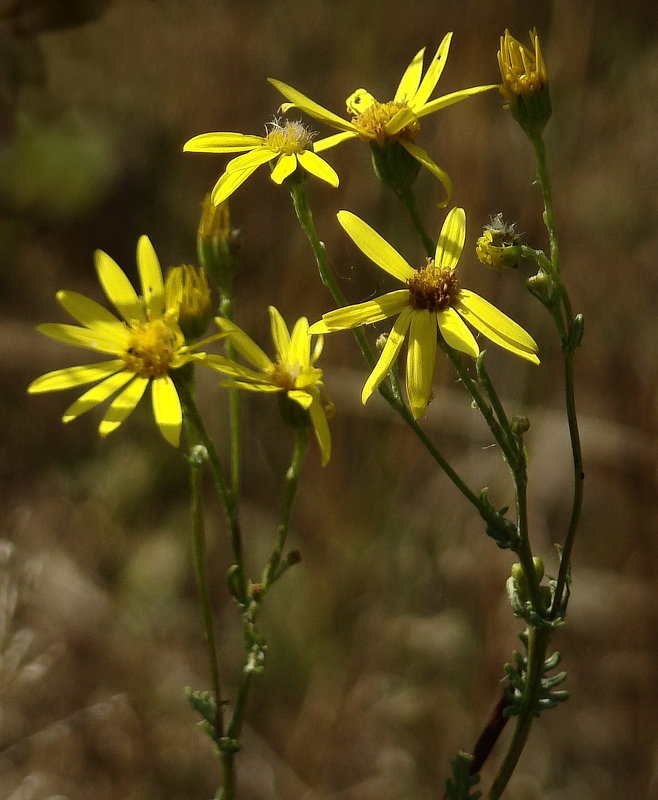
x=432 y=301
x=382 y=123
x=145 y=340
x=290 y=143
x=292 y=371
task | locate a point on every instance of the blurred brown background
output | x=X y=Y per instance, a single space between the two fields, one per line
x=386 y=643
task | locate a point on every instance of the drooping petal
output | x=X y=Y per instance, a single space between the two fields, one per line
x=284 y=167
x=118 y=289
x=423 y=157
x=280 y=334
x=102 y=340
x=301 y=397
x=312 y=108
x=451 y=99
x=321 y=429
x=244 y=345
x=123 y=405
x=300 y=343
x=222 y=143
x=496 y=326
x=252 y=159
x=88 y=312
x=97 y=394
x=167 y=409
x=318 y=166
x=229 y=182
x=421 y=360
x=456 y=334
x=74 y=376
x=331 y=141
x=410 y=81
x=428 y=84
x=375 y=246
x=150 y=275
x=389 y=354
x=362 y=313
x=451 y=239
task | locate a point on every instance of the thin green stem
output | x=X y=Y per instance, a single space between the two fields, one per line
x=409 y=200
x=271 y=572
x=537 y=646
x=523 y=550
x=199 y=547
x=224 y=492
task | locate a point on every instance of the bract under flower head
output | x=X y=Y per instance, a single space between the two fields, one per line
x=292 y=370
x=432 y=303
x=145 y=340
x=289 y=144
x=392 y=122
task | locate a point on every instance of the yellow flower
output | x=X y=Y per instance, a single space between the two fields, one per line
x=145 y=340
x=432 y=301
x=499 y=247
x=292 y=371
x=290 y=143
x=395 y=121
x=525 y=82
x=186 y=292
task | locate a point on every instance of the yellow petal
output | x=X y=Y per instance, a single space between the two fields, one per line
x=375 y=246
x=228 y=367
x=401 y=119
x=253 y=387
x=88 y=312
x=496 y=326
x=300 y=343
x=312 y=108
x=318 y=166
x=167 y=409
x=280 y=334
x=301 y=397
x=244 y=345
x=123 y=405
x=410 y=81
x=251 y=160
x=321 y=429
x=451 y=99
x=74 y=376
x=451 y=239
x=97 y=394
x=101 y=340
x=388 y=355
x=362 y=313
x=150 y=275
x=284 y=167
x=423 y=157
x=222 y=143
x=118 y=288
x=229 y=182
x=331 y=141
x=421 y=360
x=428 y=84
x=456 y=334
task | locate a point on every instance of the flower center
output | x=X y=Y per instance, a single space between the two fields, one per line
x=289 y=137
x=285 y=375
x=372 y=122
x=152 y=347
x=434 y=288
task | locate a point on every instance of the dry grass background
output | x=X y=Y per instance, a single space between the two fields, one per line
x=386 y=643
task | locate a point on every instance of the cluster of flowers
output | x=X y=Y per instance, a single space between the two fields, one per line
x=155 y=337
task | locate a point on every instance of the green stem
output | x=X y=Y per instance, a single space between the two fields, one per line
x=199 y=546
x=225 y=494
x=537 y=646
x=409 y=199
x=524 y=551
x=271 y=573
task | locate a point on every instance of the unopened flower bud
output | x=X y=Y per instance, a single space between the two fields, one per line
x=541 y=286
x=520 y=424
x=187 y=293
x=217 y=242
x=525 y=83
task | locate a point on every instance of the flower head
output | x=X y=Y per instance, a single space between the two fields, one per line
x=186 y=292
x=525 y=82
x=145 y=340
x=432 y=301
x=395 y=122
x=500 y=245
x=289 y=144
x=292 y=371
